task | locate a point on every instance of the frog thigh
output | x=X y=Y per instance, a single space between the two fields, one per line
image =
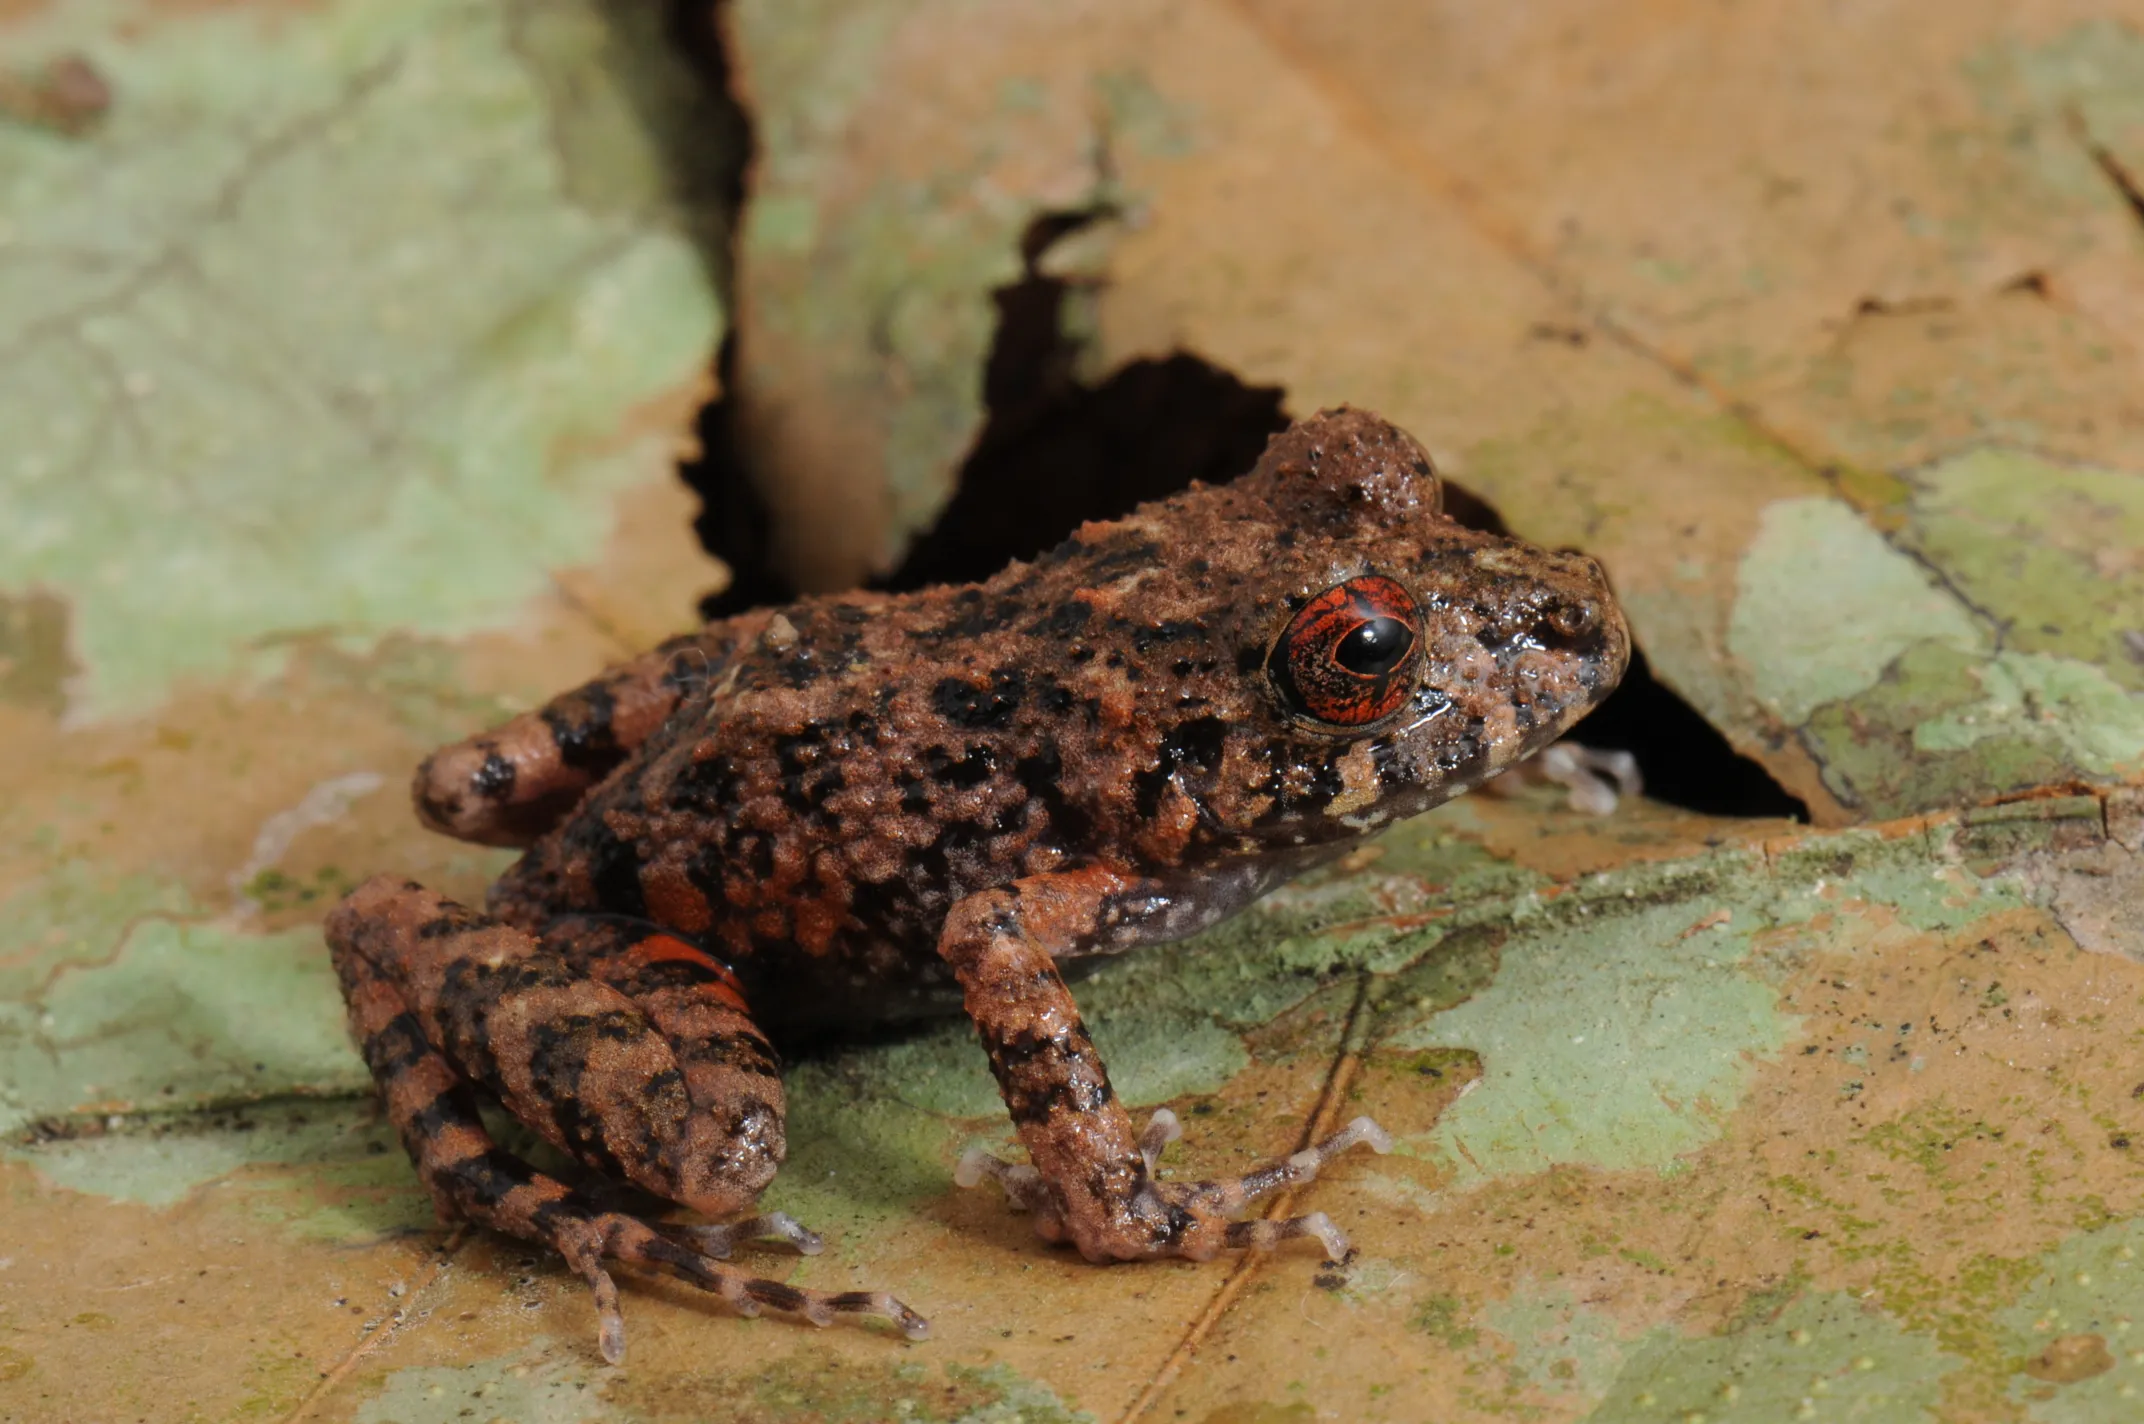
x=680 y=1095
x=434 y=1110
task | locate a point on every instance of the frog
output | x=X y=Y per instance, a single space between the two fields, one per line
x=862 y=808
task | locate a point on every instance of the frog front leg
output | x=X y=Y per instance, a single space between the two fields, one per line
x=622 y=1045
x=1089 y=1178
x=508 y=786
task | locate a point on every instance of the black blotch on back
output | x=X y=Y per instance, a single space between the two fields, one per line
x=973 y=769
x=980 y=707
x=614 y=868
x=1043 y=776
x=1196 y=745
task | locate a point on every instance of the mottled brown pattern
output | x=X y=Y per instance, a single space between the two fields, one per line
x=867 y=804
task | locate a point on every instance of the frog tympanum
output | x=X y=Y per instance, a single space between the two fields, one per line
x=853 y=807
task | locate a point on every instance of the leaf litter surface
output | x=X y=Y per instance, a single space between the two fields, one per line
x=349 y=353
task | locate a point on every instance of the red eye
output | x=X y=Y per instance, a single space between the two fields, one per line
x=1343 y=659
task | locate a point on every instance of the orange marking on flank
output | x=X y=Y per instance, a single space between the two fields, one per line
x=673 y=899
x=724 y=989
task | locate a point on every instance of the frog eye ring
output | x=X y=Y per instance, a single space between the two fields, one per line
x=1343 y=660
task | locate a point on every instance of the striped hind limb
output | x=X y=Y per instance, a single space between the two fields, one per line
x=446 y=1004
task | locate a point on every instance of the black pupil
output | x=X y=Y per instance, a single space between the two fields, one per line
x=1375 y=648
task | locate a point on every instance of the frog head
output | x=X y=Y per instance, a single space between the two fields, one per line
x=1387 y=658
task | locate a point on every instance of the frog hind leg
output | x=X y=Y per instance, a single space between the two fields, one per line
x=394 y=945
x=512 y=784
x=1089 y=1179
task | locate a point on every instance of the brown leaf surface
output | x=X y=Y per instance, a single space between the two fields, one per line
x=1821 y=329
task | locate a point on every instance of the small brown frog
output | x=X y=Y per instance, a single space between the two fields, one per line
x=859 y=807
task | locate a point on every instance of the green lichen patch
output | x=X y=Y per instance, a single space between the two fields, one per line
x=323 y=328
x=531 y=1386
x=2084 y=81
x=182 y=1014
x=1944 y=727
x=75 y=913
x=1985 y=651
x=1560 y=1345
x=327 y=1171
x=1620 y=1037
x=2076 y=1331
x=1824 y=605
x=808 y=1388
x=1825 y=1357
x=880 y=233
x=2050 y=549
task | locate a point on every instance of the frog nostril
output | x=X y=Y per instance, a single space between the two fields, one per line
x=1567 y=625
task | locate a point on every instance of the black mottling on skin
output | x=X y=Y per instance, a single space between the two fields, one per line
x=484 y=1180
x=777 y=1295
x=397 y=1048
x=853 y=1300
x=1168 y=631
x=744 y=1052
x=976 y=766
x=583 y=732
x=707 y=786
x=446 y=1111
x=1066 y=620
x=981 y=707
x=494 y=779
x=1195 y=746
x=614 y=867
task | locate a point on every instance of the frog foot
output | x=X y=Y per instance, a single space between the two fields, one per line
x=587 y=1239
x=718 y=1241
x=1189 y=1219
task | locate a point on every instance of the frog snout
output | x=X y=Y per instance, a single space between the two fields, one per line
x=1572 y=623
x=1578 y=616
x=1567 y=624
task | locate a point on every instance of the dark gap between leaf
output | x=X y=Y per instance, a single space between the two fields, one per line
x=732 y=523
x=1684 y=759
x=1055 y=452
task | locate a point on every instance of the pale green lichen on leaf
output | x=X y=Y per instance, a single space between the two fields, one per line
x=1845 y=1360
x=317 y=333
x=885 y=282
x=2094 y=721
x=2085 y=82
x=2053 y=550
x=73 y=914
x=1823 y=605
x=314 y=1169
x=1560 y=1345
x=1618 y=1038
x=183 y=1014
x=535 y=1385
x=2076 y=1328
